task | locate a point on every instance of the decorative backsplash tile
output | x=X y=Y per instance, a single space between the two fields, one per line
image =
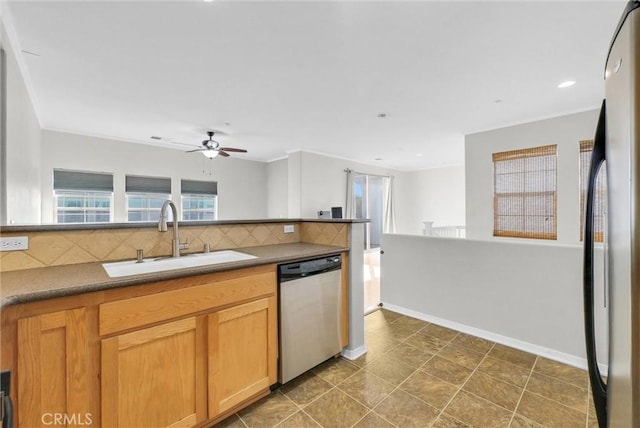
x=325 y=233
x=81 y=246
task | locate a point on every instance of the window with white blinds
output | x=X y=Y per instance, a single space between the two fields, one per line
x=199 y=200
x=145 y=196
x=525 y=193
x=82 y=196
x=600 y=200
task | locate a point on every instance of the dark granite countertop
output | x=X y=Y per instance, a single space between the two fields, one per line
x=30 y=285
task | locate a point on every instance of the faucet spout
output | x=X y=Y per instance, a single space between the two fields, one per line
x=162 y=226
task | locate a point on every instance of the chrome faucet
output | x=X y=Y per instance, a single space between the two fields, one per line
x=176 y=246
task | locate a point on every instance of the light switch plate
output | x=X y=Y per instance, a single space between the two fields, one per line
x=289 y=228
x=14 y=243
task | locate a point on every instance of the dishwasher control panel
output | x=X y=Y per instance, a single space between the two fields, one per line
x=309 y=267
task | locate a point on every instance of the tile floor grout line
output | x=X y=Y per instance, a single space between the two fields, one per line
x=557 y=402
x=360 y=402
x=381 y=417
x=465 y=382
x=394 y=390
x=513 y=412
x=313 y=401
x=311 y=417
x=333 y=386
x=291 y=415
x=556 y=379
x=418 y=369
x=388 y=339
x=440 y=411
x=523 y=391
x=420 y=399
x=242 y=420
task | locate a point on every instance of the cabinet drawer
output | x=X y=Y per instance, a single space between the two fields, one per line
x=144 y=310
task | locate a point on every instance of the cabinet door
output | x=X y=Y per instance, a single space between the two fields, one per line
x=155 y=377
x=53 y=368
x=242 y=353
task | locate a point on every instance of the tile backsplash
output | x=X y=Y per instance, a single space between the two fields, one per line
x=53 y=248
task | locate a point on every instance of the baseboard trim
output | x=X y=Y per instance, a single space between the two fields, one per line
x=542 y=351
x=354 y=354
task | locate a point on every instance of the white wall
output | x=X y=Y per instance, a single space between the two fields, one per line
x=278 y=188
x=323 y=181
x=242 y=188
x=497 y=290
x=21 y=163
x=294 y=186
x=436 y=195
x=565 y=131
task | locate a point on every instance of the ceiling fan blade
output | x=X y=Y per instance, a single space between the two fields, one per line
x=196 y=150
x=231 y=149
x=221 y=153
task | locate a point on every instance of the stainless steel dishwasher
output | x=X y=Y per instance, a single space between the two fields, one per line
x=310 y=314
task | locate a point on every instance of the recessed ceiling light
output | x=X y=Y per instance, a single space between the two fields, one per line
x=498 y=101
x=419 y=154
x=155 y=137
x=208 y=1
x=378 y=158
x=567 y=83
x=382 y=115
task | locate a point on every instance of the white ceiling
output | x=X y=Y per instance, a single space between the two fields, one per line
x=276 y=77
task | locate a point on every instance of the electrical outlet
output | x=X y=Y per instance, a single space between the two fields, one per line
x=14 y=243
x=288 y=228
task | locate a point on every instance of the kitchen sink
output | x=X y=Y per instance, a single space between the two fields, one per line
x=131 y=267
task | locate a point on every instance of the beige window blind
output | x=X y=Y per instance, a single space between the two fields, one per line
x=524 y=193
x=600 y=200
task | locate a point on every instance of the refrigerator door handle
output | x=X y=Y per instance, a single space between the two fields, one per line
x=599 y=388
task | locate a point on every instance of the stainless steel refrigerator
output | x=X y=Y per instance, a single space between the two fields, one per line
x=617 y=141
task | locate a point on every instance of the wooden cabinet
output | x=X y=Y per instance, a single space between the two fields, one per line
x=52 y=368
x=195 y=353
x=242 y=353
x=176 y=353
x=155 y=377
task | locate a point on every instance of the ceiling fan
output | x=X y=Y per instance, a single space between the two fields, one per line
x=211 y=148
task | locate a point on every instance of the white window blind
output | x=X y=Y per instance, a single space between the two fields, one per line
x=524 y=194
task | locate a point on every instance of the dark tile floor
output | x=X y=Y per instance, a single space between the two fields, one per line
x=418 y=374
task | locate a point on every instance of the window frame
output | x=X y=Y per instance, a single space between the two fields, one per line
x=192 y=196
x=148 y=196
x=198 y=190
x=86 y=211
x=524 y=194
x=366 y=207
x=85 y=185
x=150 y=189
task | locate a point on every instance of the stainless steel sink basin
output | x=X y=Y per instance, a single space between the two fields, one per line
x=130 y=267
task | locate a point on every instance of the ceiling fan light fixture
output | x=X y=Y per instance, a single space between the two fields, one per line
x=210 y=153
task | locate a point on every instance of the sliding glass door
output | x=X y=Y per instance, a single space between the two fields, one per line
x=369 y=195
x=369 y=203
